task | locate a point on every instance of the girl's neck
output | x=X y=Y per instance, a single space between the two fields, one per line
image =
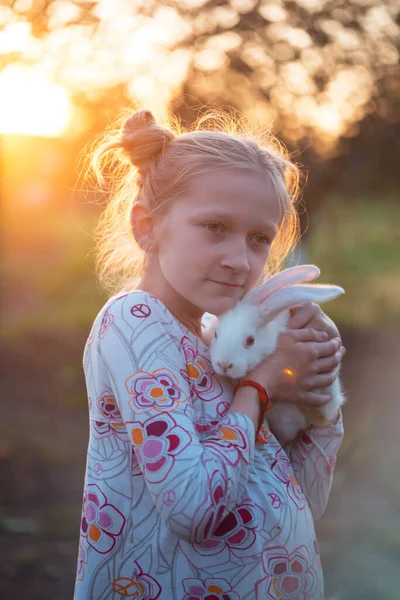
x=154 y=282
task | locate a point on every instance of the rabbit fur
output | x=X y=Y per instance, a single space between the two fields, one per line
x=263 y=314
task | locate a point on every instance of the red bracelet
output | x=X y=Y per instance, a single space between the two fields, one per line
x=264 y=399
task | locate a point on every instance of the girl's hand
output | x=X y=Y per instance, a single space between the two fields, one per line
x=303 y=361
x=312 y=315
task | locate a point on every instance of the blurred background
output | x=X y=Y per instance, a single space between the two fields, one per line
x=325 y=75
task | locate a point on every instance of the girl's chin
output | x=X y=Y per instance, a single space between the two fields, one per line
x=220 y=306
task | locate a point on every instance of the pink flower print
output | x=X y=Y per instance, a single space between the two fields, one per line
x=316 y=550
x=324 y=468
x=158 y=390
x=289 y=576
x=108 y=407
x=304 y=444
x=222 y=408
x=264 y=435
x=204 y=424
x=82 y=560
x=106 y=321
x=135 y=469
x=237 y=448
x=235 y=535
x=101 y=522
x=238 y=528
x=200 y=373
x=185 y=376
x=157 y=442
x=136 y=584
x=283 y=470
x=218 y=492
x=305 y=439
x=101 y=429
x=208 y=589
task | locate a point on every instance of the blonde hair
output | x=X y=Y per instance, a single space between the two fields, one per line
x=152 y=163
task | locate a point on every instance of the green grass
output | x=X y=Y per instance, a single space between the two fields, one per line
x=356 y=244
x=57 y=280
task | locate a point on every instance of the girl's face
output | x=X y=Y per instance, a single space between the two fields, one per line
x=213 y=243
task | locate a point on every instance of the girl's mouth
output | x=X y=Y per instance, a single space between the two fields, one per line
x=227 y=285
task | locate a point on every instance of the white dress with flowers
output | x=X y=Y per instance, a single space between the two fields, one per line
x=180 y=502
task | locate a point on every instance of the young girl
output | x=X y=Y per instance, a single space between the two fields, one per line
x=181 y=501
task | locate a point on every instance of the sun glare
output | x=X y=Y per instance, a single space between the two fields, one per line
x=30 y=104
x=328 y=120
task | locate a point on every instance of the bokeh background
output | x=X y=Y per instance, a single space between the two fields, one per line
x=325 y=75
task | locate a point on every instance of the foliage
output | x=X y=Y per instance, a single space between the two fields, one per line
x=356 y=245
x=317 y=69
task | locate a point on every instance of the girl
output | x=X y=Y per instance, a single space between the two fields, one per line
x=181 y=500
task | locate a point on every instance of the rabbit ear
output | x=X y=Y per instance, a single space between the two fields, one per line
x=209 y=324
x=284 y=278
x=207 y=319
x=295 y=295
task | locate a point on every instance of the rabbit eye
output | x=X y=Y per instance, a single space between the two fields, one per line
x=249 y=341
x=216 y=335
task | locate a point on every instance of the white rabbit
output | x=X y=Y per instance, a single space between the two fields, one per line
x=247 y=333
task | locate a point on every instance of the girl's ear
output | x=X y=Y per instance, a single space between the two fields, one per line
x=142 y=226
x=282 y=279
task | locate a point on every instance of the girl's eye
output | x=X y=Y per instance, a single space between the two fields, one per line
x=213 y=227
x=264 y=239
x=261 y=239
x=249 y=341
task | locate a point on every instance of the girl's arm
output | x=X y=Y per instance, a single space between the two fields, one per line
x=139 y=357
x=313 y=453
x=313 y=458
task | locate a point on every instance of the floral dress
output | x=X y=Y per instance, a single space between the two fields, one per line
x=180 y=502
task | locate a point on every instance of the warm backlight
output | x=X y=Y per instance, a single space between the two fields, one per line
x=30 y=104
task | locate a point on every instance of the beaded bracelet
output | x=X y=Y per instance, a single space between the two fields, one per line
x=264 y=399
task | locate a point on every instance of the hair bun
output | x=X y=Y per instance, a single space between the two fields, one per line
x=143 y=139
x=141 y=119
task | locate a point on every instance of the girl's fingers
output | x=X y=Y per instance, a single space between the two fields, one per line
x=325 y=365
x=315 y=398
x=325 y=349
x=309 y=335
x=301 y=315
x=321 y=381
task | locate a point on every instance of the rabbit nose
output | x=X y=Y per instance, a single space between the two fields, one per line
x=224 y=366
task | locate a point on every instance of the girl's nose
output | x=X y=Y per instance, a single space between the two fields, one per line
x=239 y=264
x=224 y=365
x=237 y=259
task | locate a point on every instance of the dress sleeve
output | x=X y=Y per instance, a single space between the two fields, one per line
x=193 y=482
x=313 y=458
